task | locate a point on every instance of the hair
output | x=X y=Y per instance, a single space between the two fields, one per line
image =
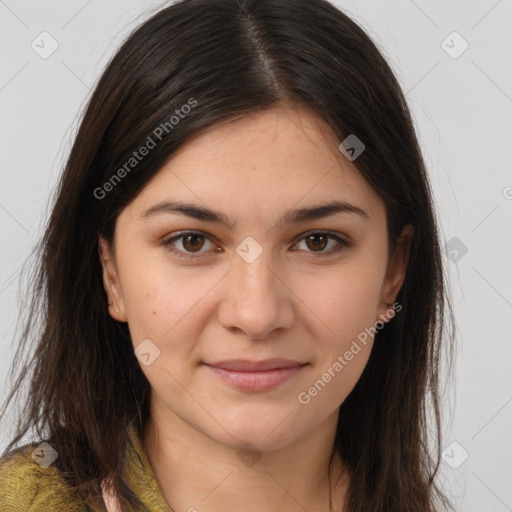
x=227 y=59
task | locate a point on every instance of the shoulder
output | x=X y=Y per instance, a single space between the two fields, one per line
x=27 y=485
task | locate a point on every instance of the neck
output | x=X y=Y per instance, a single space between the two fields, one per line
x=197 y=473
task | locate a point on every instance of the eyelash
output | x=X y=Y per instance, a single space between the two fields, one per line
x=342 y=244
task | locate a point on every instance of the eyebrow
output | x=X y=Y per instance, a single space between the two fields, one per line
x=294 y=216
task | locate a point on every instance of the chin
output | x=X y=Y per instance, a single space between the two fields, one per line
x=265 y=433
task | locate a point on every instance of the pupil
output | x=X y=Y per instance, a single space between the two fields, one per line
x=313 y=239
x=189 y=238
x=316 y=244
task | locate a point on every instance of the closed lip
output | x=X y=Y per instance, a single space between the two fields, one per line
x=244 y=365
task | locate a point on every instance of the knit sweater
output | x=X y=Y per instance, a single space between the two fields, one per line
x=27 y=486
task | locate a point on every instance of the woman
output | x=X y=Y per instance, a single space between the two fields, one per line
x=241 y=282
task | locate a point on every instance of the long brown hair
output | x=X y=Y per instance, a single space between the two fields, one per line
x=233 y=58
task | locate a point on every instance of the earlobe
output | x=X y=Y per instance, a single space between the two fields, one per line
x=396 y=272
x=111 y=283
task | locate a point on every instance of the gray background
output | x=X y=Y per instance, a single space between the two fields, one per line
x=463 y=110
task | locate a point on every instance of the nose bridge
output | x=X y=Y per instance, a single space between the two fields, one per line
x=257 y=301
x=256 y=276
x=256 y=284
x=252 y=265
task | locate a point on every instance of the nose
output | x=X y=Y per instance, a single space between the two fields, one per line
x=257 y=300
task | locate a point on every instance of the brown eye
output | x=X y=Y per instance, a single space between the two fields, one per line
x=317 y=241
x=191 y=243
x=190 y=246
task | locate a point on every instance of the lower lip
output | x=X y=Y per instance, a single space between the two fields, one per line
x=256 y=381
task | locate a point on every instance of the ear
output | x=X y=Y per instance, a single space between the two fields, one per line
x=111 y=282
x=395 y=274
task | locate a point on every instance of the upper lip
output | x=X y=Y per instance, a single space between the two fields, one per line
x=244 y=365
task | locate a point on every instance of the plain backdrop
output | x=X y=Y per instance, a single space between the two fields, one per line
x=461 y=99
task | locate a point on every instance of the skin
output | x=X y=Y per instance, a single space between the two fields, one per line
x=291 y=302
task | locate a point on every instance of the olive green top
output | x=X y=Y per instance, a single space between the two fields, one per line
x=27 y=486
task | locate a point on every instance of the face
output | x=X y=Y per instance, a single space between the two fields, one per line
x=255 y=281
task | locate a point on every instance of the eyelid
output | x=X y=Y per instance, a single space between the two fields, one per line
x=343 y=243
x=167 y=242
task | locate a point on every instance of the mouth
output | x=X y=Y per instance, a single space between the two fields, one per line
x=255 y=375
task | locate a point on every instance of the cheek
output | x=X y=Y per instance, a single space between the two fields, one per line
x=345 y=300
x=158 y=306
x=162 y=309
x=156 y=293
x=347 y=303
x=348 y=308
x=169 y=306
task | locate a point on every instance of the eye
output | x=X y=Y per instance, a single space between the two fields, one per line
x=317 y=241
x=192 y=242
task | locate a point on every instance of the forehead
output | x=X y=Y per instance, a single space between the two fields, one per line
x=271 y=161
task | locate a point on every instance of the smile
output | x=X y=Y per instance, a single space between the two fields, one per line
x=256 y=380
